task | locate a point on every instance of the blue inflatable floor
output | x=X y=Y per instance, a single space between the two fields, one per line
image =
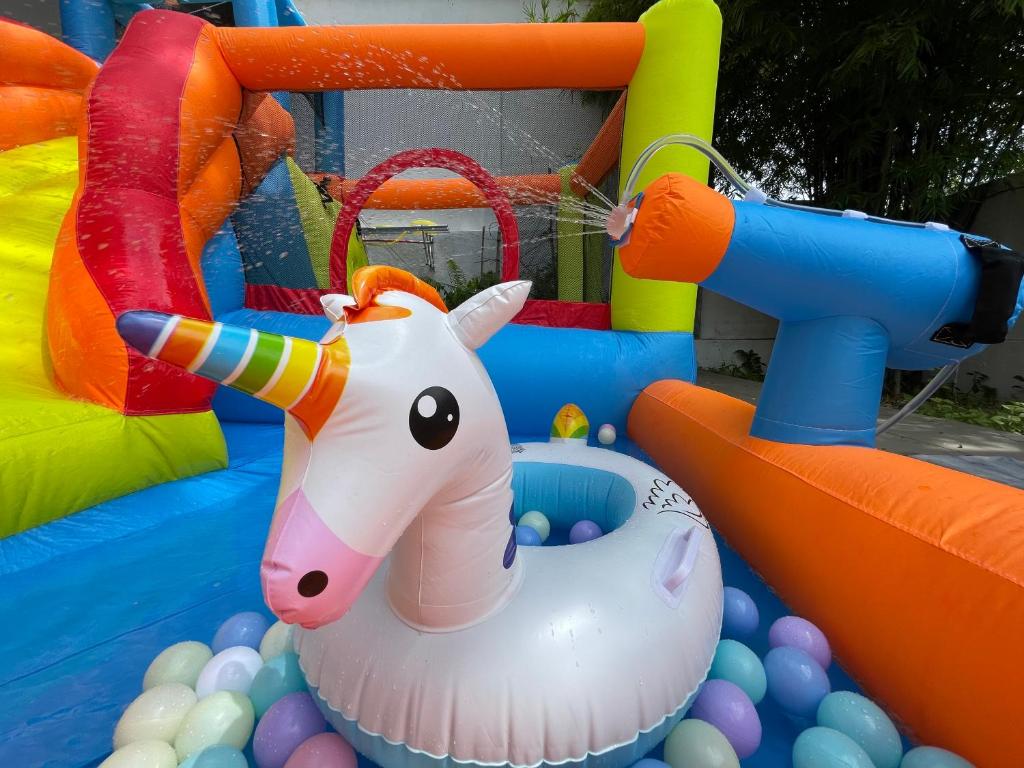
x=88 y=601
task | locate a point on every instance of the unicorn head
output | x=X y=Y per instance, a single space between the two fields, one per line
x=394 y=439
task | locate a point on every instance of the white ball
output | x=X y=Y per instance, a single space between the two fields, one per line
x=277 y=640
x=606 y=434
x=151 y=754
x=233 y=669
x=539 y=522
x=155 y=715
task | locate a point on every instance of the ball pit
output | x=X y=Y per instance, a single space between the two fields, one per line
x=739 y=665
x=527 y=536
x=584 y=530
x=725 y=706
x=740 y=617
x=823 y=747
x=539 y=522
x=325 y=750
x=796 y=682
x=246 y=629
x=233 y=669
x=289 y=722
x=863 y=721
x=799 y=633
x=697 y=744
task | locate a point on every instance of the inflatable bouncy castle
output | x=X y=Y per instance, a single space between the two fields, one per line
x=219 y=398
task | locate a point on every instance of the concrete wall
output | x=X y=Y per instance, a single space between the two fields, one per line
x=41 y=14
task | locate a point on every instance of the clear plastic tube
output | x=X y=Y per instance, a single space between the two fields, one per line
x=919 y=399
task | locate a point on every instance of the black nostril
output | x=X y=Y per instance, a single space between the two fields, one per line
x=313 y=583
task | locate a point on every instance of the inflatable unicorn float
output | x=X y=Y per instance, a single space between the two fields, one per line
x=427 y=638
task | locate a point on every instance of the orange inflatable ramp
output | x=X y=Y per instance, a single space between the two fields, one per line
x=915 y=572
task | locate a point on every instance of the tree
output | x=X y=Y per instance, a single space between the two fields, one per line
x=894 y=107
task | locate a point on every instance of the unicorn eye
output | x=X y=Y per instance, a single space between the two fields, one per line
x=434 y=418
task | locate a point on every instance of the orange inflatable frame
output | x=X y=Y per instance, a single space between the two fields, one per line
x=915 y=572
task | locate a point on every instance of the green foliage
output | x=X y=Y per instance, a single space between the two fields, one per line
x=977 y=404
x=749 y=365
x=461 y=288
x=895 y=107
x=540 y=11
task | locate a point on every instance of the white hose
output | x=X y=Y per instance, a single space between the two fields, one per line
x=919 y=399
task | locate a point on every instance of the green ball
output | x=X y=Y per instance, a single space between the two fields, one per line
x=697 y=744
x=539 y=522
x=827 y=748
x=739 y=665
x=224 y=717
x=276 y=679
x=864 y=722
x=181 y=663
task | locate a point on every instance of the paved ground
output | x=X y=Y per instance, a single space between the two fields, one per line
x=978 y=450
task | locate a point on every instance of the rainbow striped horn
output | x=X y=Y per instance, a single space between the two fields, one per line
x=281 y=370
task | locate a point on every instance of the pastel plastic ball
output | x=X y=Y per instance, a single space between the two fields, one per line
x=796 y=682
x=246 y=629
x=739 y=665
x=739 y=616
x=825 y=748
x=648 y=762
x=276 y=679
x=539 y=522
x=277 y=640
x=932 y=757
x=325 y=750
x=219 y=756
x=863 y=721
x=224 y=717
x=233 y=669
x=155 y=715
x=697 y=744
x=288 y=723
x=584 y=530
x=143 y=754
x=800 y=633
x=725 y=706
x=180 y=663
x=527 y=536
x=606 y=434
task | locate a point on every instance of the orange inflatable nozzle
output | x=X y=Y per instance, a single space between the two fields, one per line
x=681 y=231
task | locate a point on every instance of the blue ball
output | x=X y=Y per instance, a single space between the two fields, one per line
x=740 y=666
x=933 y=757
x=864 y=722
x=739 y=616
x=822 y=747
x=527 y=536
x=796 y=682
x=648 y=762
x=275 y=680
x=217 y=756
x=241 y=629
x=583 y=531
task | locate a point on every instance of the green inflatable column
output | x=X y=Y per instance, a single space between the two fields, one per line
x=672 y=91
x=569 y=241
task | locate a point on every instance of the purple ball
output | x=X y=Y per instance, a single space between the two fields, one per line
x=725 y=706
x=739 y=615
x=241 y=629
x=800 y=633
x=796 y=682
x=527 y=536
x=584 y=530
x=290 y=721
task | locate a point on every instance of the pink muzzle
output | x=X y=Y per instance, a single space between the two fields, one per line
x=310 y=576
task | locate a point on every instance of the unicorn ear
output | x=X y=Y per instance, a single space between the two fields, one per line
x=477 y=319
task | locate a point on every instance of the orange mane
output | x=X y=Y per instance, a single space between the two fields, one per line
x=369 y=282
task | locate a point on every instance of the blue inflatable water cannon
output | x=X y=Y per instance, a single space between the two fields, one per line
x=853 y=294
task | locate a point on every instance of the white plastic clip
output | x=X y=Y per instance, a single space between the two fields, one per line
x=850 y=213
x=755 y=195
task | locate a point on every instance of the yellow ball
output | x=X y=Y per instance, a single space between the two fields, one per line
x=155 y=715
x=152 y=754
x=181 y=663
x=696 y=744
x=224 y=717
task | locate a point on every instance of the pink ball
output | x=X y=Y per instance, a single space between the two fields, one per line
x=325 y=750
x=794 y=632
x=725 y=706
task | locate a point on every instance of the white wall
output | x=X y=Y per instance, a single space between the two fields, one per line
x=415 y=11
